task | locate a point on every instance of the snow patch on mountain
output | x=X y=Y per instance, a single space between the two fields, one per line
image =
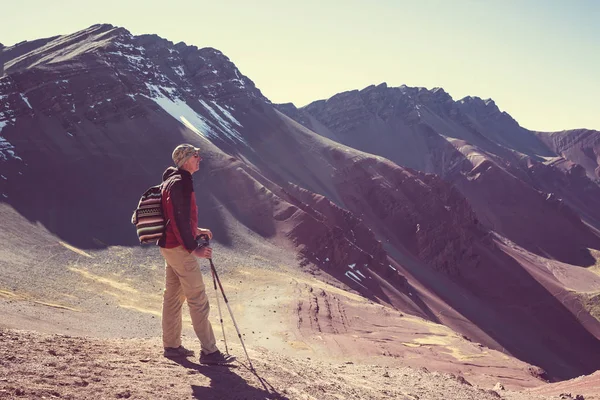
x=239 y=80
x=226 y=127
x=179 y=110
x=26 y=100
x=7 y=150
x=179 y=71
x=228 y=114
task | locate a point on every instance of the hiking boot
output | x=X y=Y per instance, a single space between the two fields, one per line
x=216 y=358
x=176 y=352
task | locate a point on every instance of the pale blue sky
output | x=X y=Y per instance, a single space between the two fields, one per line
x=538 y=59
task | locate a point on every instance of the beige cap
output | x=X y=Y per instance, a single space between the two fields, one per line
x=182 y=153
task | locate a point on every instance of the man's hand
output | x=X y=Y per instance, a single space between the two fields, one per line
x=204 y=231
x=203 y=252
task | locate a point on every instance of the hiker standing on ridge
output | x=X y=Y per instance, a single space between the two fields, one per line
x=178 y=246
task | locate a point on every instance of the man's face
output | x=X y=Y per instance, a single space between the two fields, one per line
x=193 y=163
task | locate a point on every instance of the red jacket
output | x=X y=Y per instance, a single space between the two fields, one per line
x=180 y=210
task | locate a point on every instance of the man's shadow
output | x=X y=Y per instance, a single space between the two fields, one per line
x=226 y=384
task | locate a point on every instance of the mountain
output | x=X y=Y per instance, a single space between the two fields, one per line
x=517 y=185
x=448 y=211
x=579 y=146
x=508 y=174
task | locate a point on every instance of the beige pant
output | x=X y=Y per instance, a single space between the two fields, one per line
x=183 y=280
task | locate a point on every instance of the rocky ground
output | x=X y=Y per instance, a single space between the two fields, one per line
x=38 y=366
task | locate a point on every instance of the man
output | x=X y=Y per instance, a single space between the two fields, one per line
x=178 y=246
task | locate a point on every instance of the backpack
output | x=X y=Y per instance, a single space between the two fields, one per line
x=148 y=217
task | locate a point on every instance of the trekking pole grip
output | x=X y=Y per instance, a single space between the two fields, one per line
x=203 y=240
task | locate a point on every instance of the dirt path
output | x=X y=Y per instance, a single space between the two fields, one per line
x=36 y=366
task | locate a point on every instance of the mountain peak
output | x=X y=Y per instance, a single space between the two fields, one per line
x=477 y=101
x=101 y=27
x=61 y=48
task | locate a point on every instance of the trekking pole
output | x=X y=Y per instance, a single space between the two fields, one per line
x=212 y=266
x=215 y=275
x=219 y=307
x=202 y=240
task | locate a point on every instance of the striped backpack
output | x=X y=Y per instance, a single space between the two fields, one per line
x=148 y=216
